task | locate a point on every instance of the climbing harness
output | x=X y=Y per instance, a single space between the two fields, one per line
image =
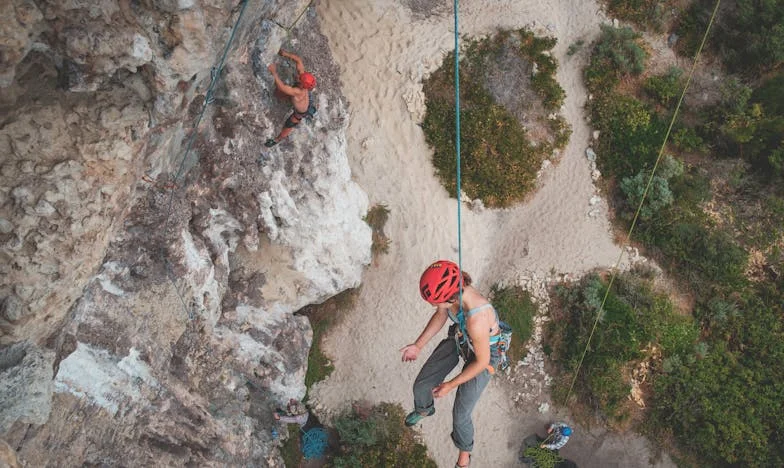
x=642 y=200
x=499 y=343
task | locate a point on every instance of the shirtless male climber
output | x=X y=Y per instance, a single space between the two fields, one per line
x=300 y=96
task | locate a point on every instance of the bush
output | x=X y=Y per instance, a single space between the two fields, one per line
x=644 y=13
x=376 y=218
x=378 y=438
x=728 y=405
x=514 y=306
x=634 y=318
x=665 y=88
x=616 y=54
x=499 y=164
x=631 y=135
x=659 y=194
x=686 y=139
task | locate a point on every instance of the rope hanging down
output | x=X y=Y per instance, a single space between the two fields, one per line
x=457 y=148
x=644 y=196
x=208 y=99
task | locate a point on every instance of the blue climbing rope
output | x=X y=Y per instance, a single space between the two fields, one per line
x=314 y=443
x=457 y=148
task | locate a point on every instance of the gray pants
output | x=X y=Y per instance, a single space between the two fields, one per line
x=444 y=358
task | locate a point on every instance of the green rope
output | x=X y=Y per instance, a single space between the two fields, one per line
x=644 y=195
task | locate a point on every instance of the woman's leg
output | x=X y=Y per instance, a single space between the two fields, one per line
x=437 y=367
x=467 y=396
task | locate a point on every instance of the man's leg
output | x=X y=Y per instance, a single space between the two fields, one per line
x=467 y=396
x=291 y=122
x=436 y=368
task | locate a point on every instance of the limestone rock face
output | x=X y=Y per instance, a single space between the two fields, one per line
x=26 y=384
x=157 y=269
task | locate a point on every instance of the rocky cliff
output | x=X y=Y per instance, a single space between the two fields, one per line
x=152 y=251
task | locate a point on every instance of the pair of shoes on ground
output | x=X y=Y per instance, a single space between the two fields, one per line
x=415 y=416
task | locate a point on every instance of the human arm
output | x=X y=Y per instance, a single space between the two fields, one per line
x=295 y=58
x=436 y=322
x=283 y=87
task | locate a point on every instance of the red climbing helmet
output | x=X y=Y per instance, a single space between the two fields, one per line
x=307 y=81
x=440 y=282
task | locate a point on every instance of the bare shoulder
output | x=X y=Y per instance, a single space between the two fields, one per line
x=473 y=298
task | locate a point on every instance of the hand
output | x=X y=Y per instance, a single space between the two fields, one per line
x=410 y=352
x=549 y=430
x=541 y=446
x=282 y=53
x=272 y=68
x=276 y=416
x=442 y=390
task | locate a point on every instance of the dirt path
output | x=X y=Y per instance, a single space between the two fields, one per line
x=384 y=49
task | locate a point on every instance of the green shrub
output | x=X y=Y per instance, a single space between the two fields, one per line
x=728 y=404
x=753 y=37
x=631 y=135
x=659 y=194
x=542 y=457
x=644 y=13
x=319 y=365
x=321 y=317
x=499 y=164
x=514 y=306
x=378 y=438
x=665 y=88
x=616 y=54
x=634 y=318
x=691 y=26
x=376 y=218
x=290 y=450
x=686 y=139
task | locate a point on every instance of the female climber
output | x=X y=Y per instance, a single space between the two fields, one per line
x=440 y=285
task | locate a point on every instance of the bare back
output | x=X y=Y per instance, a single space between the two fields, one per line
x=300 y=100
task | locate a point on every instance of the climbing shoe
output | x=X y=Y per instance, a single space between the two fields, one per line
x=270 y=143
x=415 y=416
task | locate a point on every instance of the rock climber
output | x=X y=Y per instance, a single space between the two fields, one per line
x=440 y=285
x=300 y=95
x=557 y=436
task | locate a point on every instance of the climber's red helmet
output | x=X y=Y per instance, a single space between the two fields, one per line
x=440 y=282
x=307 y=81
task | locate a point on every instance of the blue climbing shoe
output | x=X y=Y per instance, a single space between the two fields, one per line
x=415 y=416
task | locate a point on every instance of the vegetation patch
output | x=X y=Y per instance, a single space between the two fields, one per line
x=377 y=436
x=515 y=307
x=747 y=36
x=376 y=218
x=643 y=13
x=714 y=219
x=637 y=325
x=509 y=98
x=322 y=317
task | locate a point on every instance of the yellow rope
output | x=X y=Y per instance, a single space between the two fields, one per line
x=644 y=195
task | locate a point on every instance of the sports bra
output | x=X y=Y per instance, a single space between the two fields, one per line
x=475 y=310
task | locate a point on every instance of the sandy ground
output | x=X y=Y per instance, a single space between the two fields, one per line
x=384 y=49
